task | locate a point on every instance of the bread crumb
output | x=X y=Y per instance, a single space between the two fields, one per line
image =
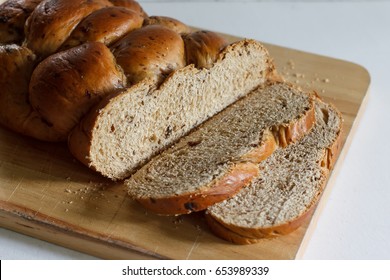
x=326 y=80
x=68 y=191
x=66 y=210
x=299 y=75
x=178 y=220
x=291 y=64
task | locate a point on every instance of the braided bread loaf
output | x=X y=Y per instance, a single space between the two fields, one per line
x=120 y=86
x=63 y=57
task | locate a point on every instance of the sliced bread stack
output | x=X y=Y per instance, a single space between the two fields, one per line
x=221 y=156
x=258 y=167
x=287 y=189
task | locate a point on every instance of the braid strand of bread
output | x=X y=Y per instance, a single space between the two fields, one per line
x=82 y=50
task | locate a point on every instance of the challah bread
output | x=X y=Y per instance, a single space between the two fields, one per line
x=52 y=21
x=168 y=22
x=106 y=25
x=116 y=138
x=13 y=15
x=17 y=64
x=76 y=80
x=289 y=186
x=153 y=51
x=203 y=48
x=221 y=156
x=142 y=97
x=66 y=85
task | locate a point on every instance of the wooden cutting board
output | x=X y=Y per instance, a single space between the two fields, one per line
x=47 y=194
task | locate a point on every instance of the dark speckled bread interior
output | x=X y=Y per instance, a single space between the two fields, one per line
x=288 y=187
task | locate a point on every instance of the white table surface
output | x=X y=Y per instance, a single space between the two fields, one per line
x=355 y=222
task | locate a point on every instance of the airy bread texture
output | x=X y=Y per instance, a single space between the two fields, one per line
x=217 y=159
x=127 y=129
x=289 y=186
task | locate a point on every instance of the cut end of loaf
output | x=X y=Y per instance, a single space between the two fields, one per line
x=289 y=186
x=137 y=124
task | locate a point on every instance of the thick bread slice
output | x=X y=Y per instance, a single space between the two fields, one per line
x=289 y=186
x=221 y=156
x=128 y=128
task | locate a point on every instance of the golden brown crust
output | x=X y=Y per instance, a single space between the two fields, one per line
x=153 y=51
x=261 y=152
x=79 y=139
x=106 y=25
x=66 y=85
x=131 y=5
x=293 y=131
x=220 y=230
x=333 y=152
x=203 y=48
x=16 y=113
x=168 y=22
x=13 y=15
x=79 y=142
x=220 y=189
x=241 y=235
x=253 y=235
x=51 y=23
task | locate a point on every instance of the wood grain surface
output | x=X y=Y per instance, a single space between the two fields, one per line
x=47 y=194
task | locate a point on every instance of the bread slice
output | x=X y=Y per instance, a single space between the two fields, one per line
x=289 y=186
x=128 y=128
x=221 y=156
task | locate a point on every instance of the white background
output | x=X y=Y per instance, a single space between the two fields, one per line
x=355 y=223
